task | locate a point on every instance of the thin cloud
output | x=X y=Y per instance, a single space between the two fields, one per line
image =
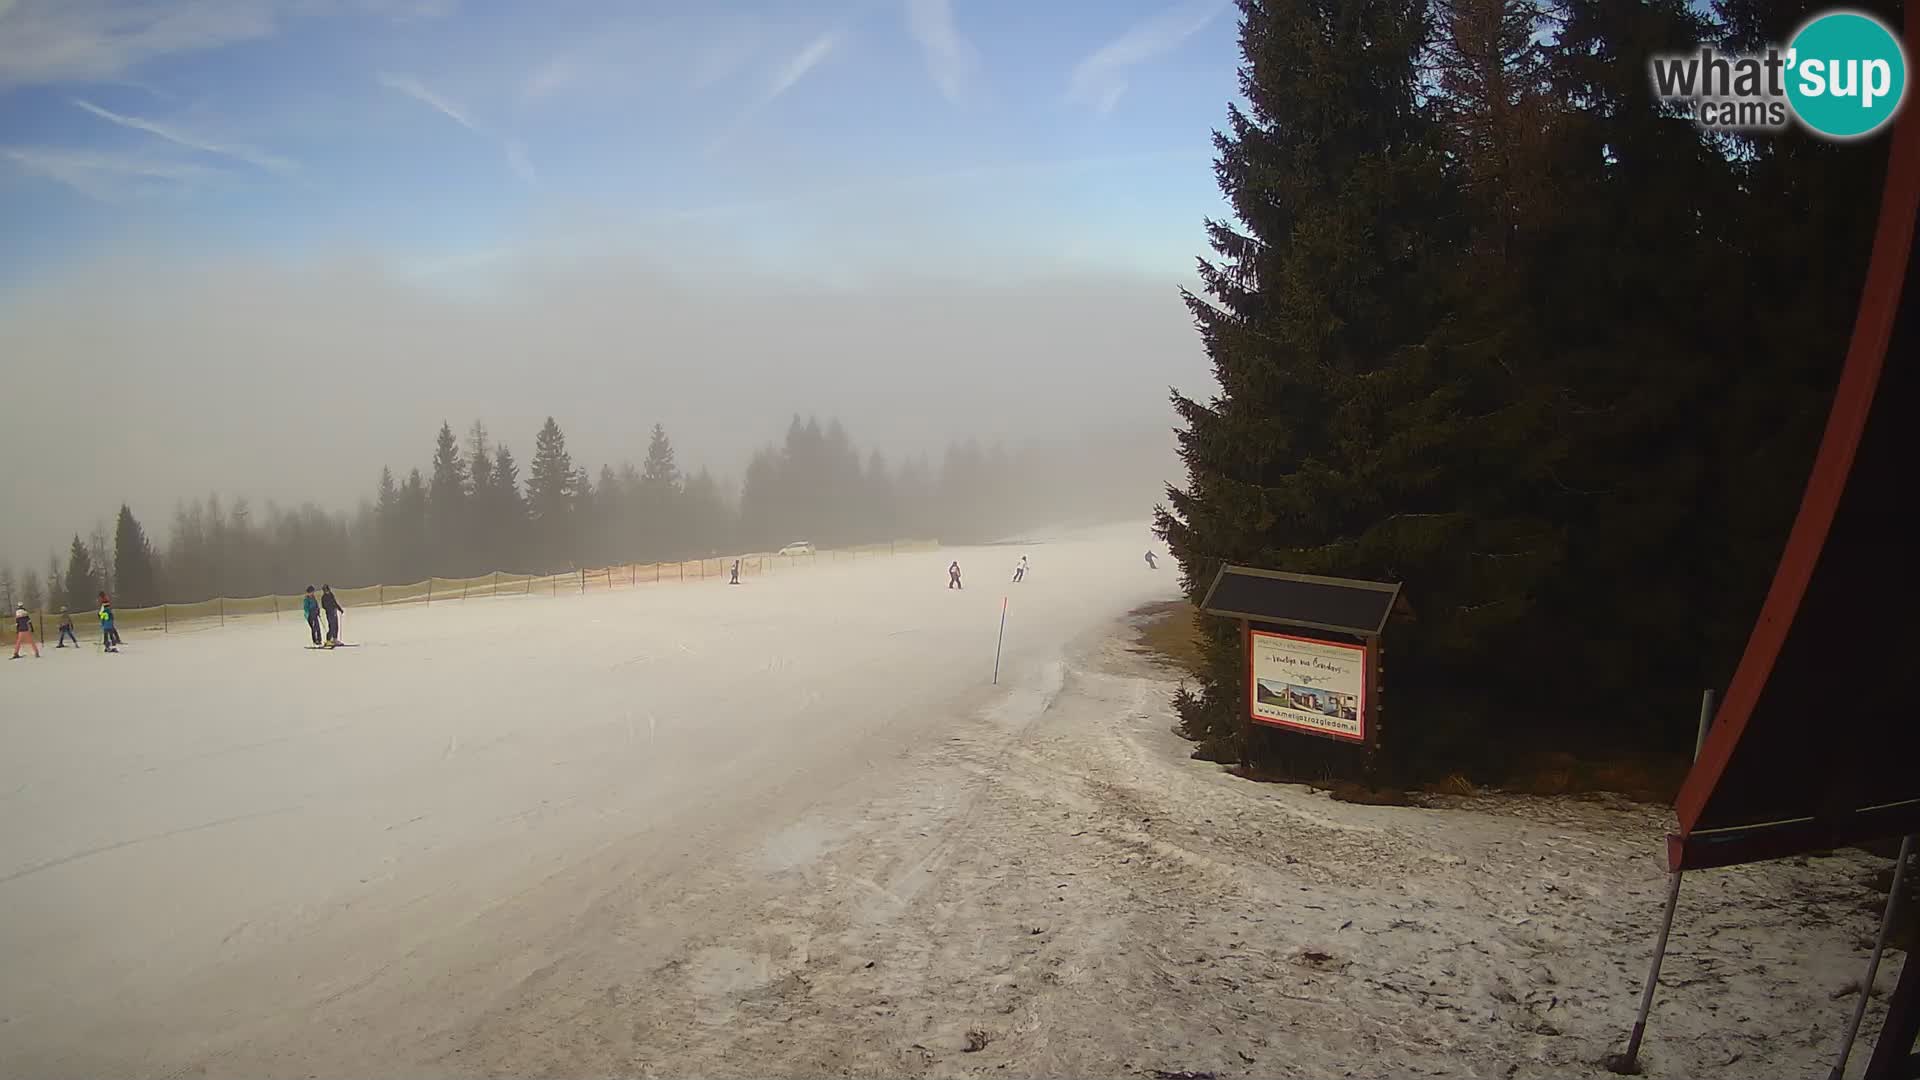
x=801 y=65
x=1100 y=79
x=105 y=177
x=415 y=89
x=950 y=60
x=784 y=78
x=66 y=41
x=181 y=137
x=516 y=151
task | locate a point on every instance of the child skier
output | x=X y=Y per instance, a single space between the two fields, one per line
x=1020 y=570
x=1150 y=562
x=66 y=631
x=953 y=575
x=109 y=637
x=331 y=606
x=23 y=633
x=311 y=609
x=735 y=579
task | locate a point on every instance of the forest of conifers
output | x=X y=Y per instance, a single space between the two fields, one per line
x=1492 y=320
x=474 y=509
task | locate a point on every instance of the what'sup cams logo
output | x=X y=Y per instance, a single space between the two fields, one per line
x=1843 y=76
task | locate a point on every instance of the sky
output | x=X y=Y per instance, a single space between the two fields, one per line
x=264 y=247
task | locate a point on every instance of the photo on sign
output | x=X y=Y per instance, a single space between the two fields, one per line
x=1311 y=685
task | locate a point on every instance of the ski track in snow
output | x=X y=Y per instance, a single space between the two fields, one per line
x=839 y=851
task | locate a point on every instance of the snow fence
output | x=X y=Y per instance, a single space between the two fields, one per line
x=212 y=614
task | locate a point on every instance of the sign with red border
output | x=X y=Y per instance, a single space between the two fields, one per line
x=1308 y=684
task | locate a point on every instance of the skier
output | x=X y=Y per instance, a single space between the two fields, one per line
x=1020 y=570
x=331 y=605
x=953 y=575
x=23 y=633
x=66 y=631
x=1150 y=563
x=311 y=608
x=734 y=579
x=109 y=637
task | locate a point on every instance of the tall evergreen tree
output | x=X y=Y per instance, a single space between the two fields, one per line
x=507 y=519
x=447 y=504
x=136 y=584
x=1318 y=322
x=82 y=582
x=550 y=495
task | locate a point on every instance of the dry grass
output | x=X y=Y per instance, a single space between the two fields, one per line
x=1352 y=791
x=1642 y=778
x=1166 y=632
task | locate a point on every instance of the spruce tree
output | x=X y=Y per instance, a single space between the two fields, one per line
x=136 y=583
x=447 y=503
x=1318 y=314
x=82 y=583
x=550 y=494
x=663 y=527
x=507 y=522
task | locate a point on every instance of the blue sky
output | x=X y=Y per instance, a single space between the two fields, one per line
x=441 y=133
x=251 y=228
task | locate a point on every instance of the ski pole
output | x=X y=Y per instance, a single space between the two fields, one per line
x=998 y=640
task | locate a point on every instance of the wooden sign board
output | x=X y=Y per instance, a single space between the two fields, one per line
x=1312 y=647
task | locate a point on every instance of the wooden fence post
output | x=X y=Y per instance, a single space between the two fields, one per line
x=164 y=628
x=429 y=588
x=223 y=611
x=276 y=608
x=382 y=596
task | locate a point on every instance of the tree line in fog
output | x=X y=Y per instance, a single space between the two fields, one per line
x=474 y=508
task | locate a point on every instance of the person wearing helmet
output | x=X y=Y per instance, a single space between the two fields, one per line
x=109 y=637
x=23 y=633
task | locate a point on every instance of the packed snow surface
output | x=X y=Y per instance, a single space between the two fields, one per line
x=794 y=828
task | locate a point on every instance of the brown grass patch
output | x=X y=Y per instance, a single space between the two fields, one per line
x=1166 y=633
x=1642 y=778
x=1352 y=791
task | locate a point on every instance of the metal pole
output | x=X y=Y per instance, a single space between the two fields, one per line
x=998 y=640
x=164 y=628
x=1873 y=962
x=223 y=611
x=1627 y=1063
x=1706 y=721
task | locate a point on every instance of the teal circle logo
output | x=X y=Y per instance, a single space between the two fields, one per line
x=1847 y=74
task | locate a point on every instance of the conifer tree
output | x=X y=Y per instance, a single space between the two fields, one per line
x=135 y=584
x=447 y=505
x=82 y=583
x=1317 y=315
